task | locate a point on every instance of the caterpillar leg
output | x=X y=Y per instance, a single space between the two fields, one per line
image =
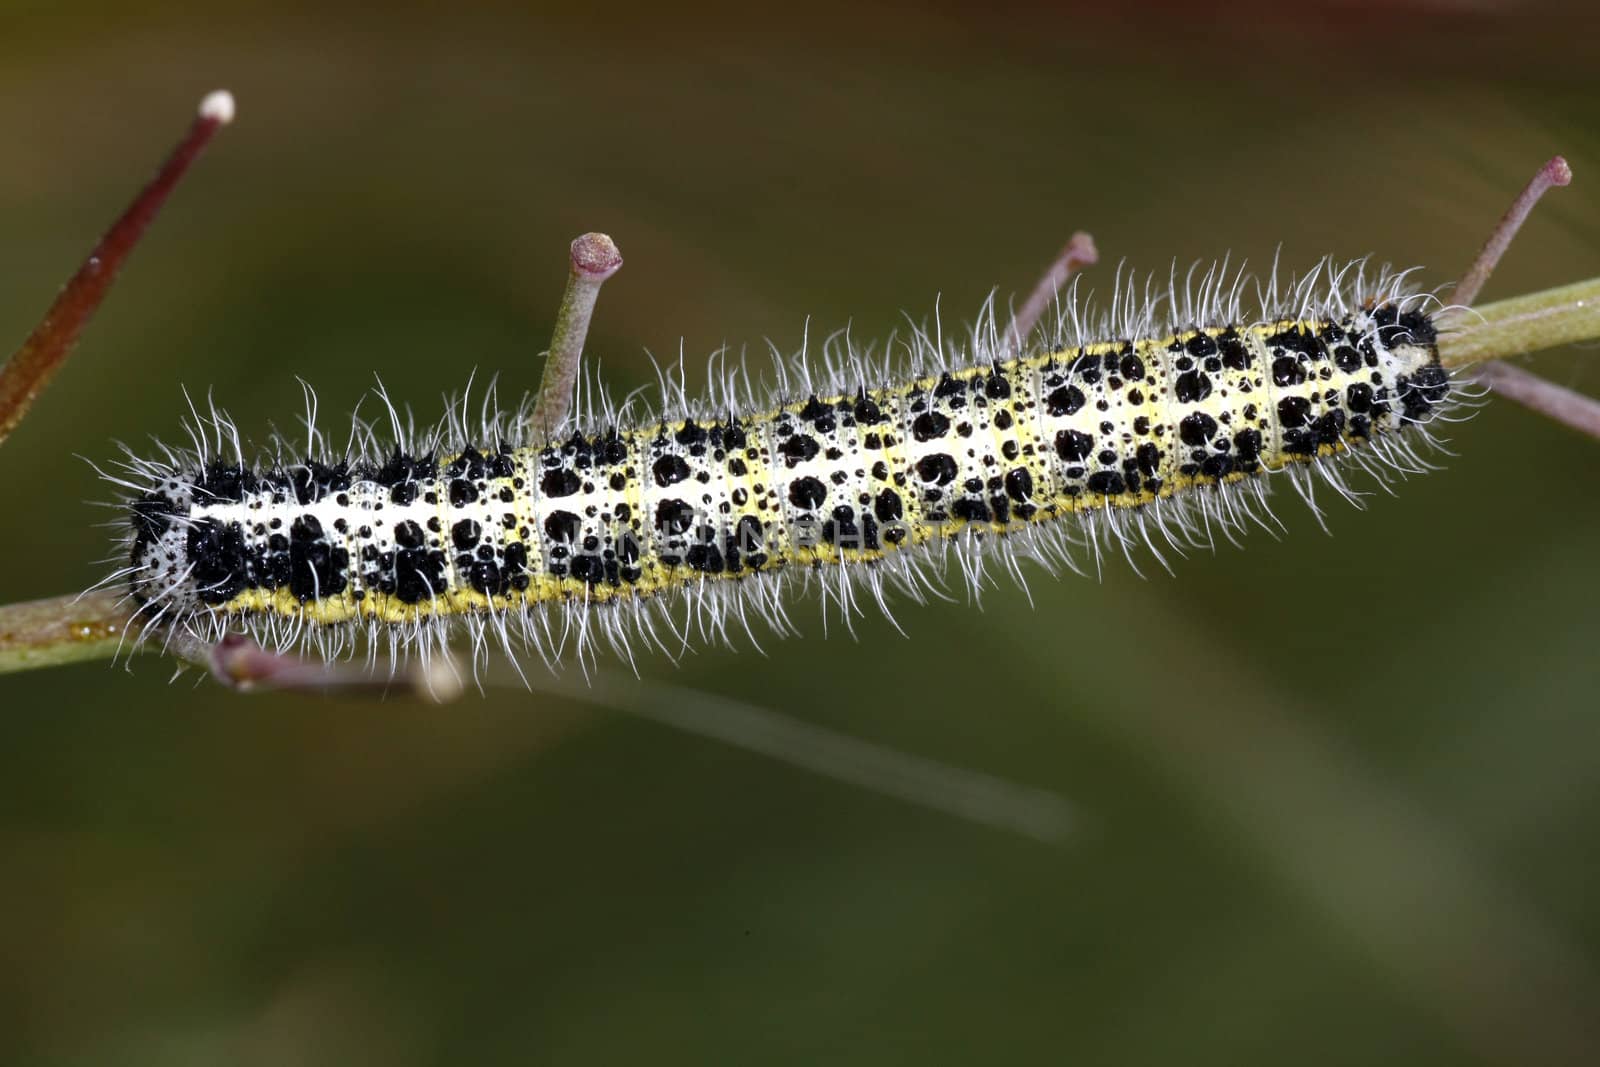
x=30 y=369
x=1080 y=252
x=594 y=259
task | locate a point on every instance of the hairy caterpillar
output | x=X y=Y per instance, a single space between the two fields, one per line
x=1150 y=423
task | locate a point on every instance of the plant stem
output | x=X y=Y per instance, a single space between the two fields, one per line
x=62 y=630
x=1079 y=252
x=1554 y=402
x=30 y=369
x=594 y=259
x=1522 y=325
x=1553 y=173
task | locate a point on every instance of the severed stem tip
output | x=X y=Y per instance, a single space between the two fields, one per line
x=218 y=106
x=595 y=256
x=1081 y=250
x=1558 y=171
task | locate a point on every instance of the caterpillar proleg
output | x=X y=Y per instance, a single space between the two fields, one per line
x=1156 y=423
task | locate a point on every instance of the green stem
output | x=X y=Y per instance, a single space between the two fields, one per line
x=62 y=630
x=1522 y=325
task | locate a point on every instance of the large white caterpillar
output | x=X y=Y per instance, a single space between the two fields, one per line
x=1149 y=424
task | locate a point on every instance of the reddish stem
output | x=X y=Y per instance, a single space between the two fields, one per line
x=1079 y=253
x=1554 y=172
x=33 y=365
x=1554 y=401
x=240 y=664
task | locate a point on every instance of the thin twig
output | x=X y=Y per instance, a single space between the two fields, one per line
x=1079 y=252
x=1557 y=402
x=1554 y=172
x=33 y=365
x=100 y=625
x=594 y=259
x=238 y=663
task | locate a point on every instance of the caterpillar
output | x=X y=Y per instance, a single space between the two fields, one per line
x=1151 y=424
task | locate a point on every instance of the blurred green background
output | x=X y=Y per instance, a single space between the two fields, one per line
x=1338 y=797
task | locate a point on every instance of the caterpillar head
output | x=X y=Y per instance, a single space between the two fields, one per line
x=159 y=536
